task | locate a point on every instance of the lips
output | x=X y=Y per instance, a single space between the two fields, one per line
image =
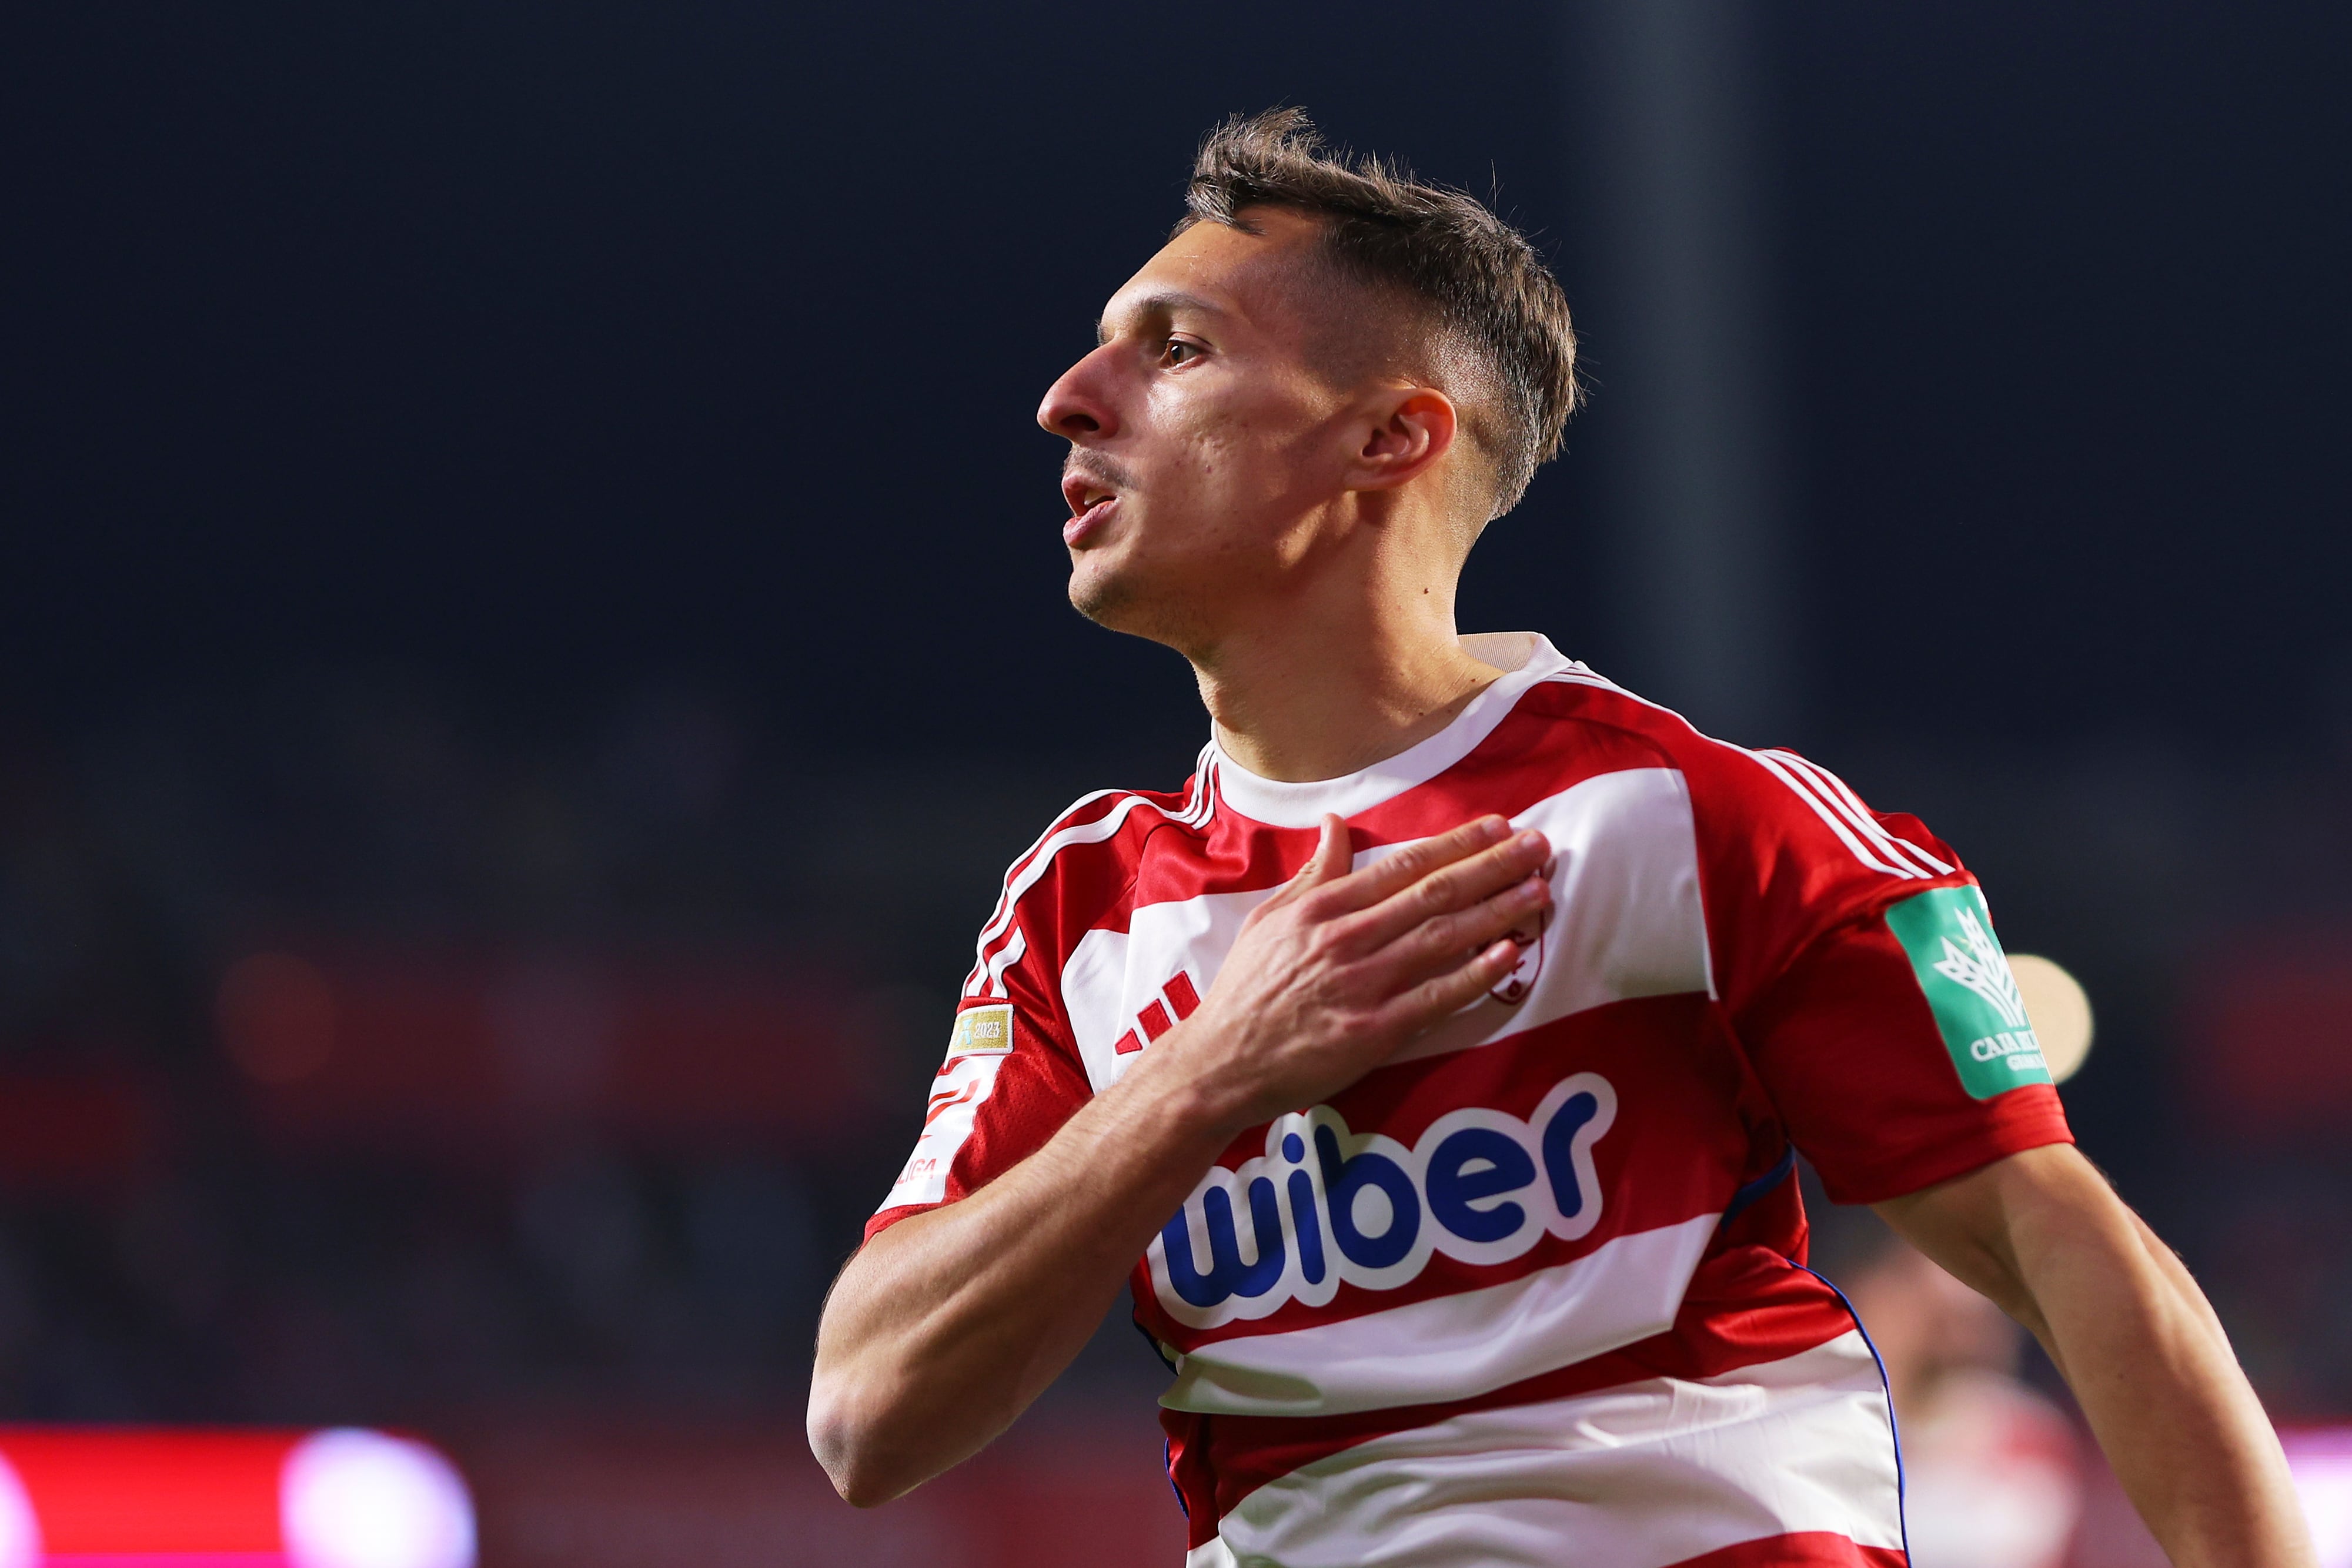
x=1091 y=503
x=1089 y=522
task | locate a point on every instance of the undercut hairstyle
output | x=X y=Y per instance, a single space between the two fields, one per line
x=1492 y=313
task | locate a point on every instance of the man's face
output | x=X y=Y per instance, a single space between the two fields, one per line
x=1203 y=443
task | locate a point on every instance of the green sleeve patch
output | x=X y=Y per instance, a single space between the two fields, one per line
x=1965 y=979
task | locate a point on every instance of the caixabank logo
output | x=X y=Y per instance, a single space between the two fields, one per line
x=1324 y=1207
x=1946 y=931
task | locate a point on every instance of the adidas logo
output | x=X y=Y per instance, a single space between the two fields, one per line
x=1178 y=997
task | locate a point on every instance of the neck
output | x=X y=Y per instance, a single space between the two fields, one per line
x=1340 y=676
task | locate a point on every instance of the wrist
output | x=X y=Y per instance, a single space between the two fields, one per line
x=1185 y=1104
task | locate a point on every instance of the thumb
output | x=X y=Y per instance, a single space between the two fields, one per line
x=1332 y=858
x=1334 y=853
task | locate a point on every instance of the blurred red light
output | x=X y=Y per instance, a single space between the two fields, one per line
x=159 y=1499
x=276 y=1017
x=74 y=1131
x=451 y=1050
x=2274 y=1035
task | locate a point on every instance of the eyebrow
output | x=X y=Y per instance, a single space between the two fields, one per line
x=1161 y=302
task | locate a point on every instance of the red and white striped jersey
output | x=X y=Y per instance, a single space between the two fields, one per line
x=1534 y=1290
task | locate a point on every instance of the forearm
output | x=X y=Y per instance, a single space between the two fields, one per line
x=944 y=1329
x=2163 y=1393
x=2042 y=1235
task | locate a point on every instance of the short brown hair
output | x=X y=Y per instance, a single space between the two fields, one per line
x=1480 y=281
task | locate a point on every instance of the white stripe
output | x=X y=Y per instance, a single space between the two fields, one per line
x=1039 y=860
x=1022 y=864
x=1842 y=795
x=1031 y=866
x=1642 y=1476
x=1110 y=974
x=957 y=1095
x=1205 y=789
x=1452 y=1347
x=1830 y=817
x=1904 y=868
x=1006 y=957
x=1825 y=786
x=1625 y=857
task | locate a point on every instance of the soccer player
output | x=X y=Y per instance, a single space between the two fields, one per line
x=1434 y=1062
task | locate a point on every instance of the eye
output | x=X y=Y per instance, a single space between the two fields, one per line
x=1178 y=351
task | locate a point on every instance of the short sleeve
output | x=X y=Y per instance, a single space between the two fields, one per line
x=1896 y=1048
x=1856 y=962
x=1010 y=1079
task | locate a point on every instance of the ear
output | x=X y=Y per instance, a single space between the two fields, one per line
x=1407 y=432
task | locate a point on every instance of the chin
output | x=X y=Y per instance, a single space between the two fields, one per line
x=1100 y=595
x=1125 y=601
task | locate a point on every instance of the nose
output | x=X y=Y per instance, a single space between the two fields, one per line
x=1078 y=404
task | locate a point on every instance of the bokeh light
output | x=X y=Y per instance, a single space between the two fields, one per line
x=276 y=1017
x=2060 y=1011
x=364 y=1500
x=20 y=1530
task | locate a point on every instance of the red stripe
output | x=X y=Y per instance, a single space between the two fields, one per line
x=1076 y=816
x=940 y=1103
x=1556 y=736
x=1539 y=751
x=1678 y=1148
x=1745 y=1306
x=1156 y=808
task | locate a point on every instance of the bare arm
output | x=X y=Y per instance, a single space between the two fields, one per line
x=944 y=1328
x=2043 y=1236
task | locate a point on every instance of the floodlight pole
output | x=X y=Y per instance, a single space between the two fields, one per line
x=1672 y=148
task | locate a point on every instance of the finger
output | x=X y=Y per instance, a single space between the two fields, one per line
x=1441 y=944
x=1334 y=852
x=1450 y=888
x=1385 y=876
x=1439 y=995
x=1333 y=855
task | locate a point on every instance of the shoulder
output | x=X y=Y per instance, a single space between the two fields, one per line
x=1752 y=796
x=1078 y=868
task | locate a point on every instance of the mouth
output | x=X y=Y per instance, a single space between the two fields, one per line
x=1090 y=502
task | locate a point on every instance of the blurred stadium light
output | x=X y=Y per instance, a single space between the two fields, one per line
x=446 y=1047
x=2060 y=1011
x=1077 y=1489
x=75 y=1497
x=2272 y=1026
x=2321 y=1460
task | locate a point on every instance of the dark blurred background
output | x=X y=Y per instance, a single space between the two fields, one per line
x=531 y=620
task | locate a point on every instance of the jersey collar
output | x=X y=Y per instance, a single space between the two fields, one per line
x=1528 y=657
